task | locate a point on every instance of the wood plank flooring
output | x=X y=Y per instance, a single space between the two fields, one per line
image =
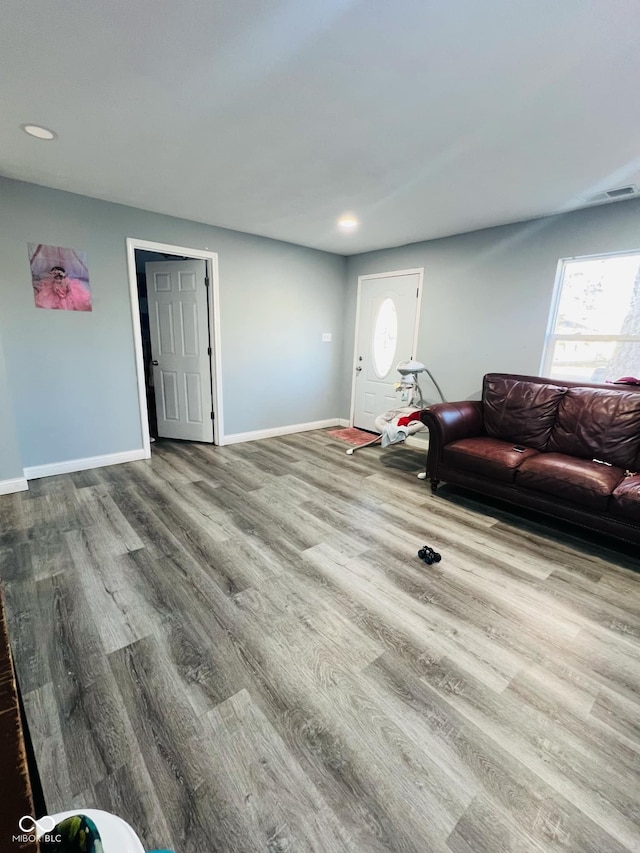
x=237 y=649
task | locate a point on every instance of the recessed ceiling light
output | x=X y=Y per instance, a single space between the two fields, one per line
x=38 y=131
x=348 y=222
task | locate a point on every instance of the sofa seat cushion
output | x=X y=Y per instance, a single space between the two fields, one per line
x=600 y=423
x=626 y=499
x=520 y=411
x=490 y=457
x=581 y=481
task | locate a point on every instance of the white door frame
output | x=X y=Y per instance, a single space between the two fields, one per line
x=211 y=260
x=361 y=280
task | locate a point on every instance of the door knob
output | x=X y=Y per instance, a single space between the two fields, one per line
x=358 y=369
x=154 y=362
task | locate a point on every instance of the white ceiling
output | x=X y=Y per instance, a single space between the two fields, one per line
x=423 y=118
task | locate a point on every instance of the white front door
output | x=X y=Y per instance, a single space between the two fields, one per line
x=387 y=325
x=180 y=348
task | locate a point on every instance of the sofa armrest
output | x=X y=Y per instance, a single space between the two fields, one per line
x=449 y=422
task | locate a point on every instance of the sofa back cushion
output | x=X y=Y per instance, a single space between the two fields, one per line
x=519 y=410
x=598 y=423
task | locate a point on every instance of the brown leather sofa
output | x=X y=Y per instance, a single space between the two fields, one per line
x=578 y=455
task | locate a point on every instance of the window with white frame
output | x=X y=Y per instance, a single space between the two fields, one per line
x=594 y=327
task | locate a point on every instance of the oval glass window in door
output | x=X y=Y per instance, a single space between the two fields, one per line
x=385 y=338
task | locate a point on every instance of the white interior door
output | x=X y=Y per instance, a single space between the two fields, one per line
x=386 y=325
x=180 y=348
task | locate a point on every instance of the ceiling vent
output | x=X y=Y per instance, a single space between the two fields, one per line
x=616 y=194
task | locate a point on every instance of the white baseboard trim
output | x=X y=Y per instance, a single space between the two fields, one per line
x=18 y=484
x=343 y=422
x=71 y=465
x=237 y=437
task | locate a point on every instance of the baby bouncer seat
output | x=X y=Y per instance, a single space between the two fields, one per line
x=396 y=425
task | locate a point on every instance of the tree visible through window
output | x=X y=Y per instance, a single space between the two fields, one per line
x=595 y=325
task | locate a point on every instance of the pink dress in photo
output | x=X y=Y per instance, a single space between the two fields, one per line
x=67 y=295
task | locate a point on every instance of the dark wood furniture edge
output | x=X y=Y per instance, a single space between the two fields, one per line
x=15 y=786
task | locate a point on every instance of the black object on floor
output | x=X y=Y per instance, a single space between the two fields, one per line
x=430 y=556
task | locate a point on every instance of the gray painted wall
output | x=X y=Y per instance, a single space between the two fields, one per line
x=10 y=461
x=487 y=294
x=71 y=375
x=70 y=382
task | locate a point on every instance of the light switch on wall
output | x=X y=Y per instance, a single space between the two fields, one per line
x=326 y=337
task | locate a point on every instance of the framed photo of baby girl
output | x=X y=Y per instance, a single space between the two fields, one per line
x=59 y=277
